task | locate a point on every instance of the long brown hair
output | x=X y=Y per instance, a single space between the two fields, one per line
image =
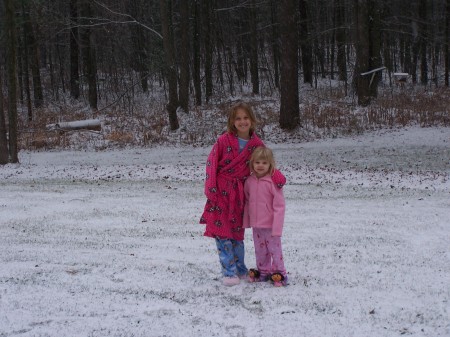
x=232 y=116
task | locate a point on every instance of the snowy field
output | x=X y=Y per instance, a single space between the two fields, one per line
x=108 y=243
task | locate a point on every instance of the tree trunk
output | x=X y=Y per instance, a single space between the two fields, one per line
x=23 y=68
x=289 y=107
x=423 y=42
x=362 y=45
x=4 y=156
x=275 y=42
x=10 y=27
x=367 y=45
x=341 y=40
x=34 y=60
x=74 y=51
x=208 y=48
x=169 y=66
x=254 y=48
x=184 y=56
x=197 y=54
x=139 y=40
x=88 y=52
x=230 y=76
x=447 y=39
x=305 y=43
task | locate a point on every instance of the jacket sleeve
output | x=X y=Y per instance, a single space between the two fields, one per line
x=279 y=207
x=246 y=219
x=211 y=173
x=278 y=178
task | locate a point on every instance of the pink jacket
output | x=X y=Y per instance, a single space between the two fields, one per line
x=265 y=205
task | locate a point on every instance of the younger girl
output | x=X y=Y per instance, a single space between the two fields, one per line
x=226 y=170
x=264 y=212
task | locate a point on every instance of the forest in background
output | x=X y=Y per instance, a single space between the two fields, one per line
x=141 y=66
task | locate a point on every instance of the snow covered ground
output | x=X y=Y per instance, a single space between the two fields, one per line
x=107 y=243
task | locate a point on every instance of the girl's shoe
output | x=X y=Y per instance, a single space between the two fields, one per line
x=278 y=280
x=230 y=281
x=253 y=275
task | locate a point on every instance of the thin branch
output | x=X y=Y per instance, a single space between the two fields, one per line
x=133 y=20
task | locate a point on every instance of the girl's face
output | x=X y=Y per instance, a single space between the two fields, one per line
x=242 y=123
x=261 y=167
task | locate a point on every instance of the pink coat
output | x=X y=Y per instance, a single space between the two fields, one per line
x=226 y=171
x=265 y=205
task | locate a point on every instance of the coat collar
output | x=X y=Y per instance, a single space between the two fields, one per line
x=267 y=177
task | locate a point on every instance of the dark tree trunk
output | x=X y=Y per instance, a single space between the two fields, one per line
x=447 y=39
x=367 y=45
x=170 y=66
x=74 y=51
x=139 y=41
x=88 y=52
x=24 y=69
x=10 y=28
x=34 y=60
x=206 y=6
x=423 y=42
x=197 y=54
x=362 y=45
x=341 y=40
x=305 y=43
x=289 y=107
x=240 y=62
x=254 y=48
x=275 y=42
x=4 y=156
x=184 y=56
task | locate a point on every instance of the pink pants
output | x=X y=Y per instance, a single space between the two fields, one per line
x=269 y=256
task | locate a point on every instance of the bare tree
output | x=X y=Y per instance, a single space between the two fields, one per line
x=289 y=107
x=422 y=13
x=447 y=39
x=305 y=43
x=367 y=46
x=11 y=40
x=88 y=53
x=74 y=51
x=170 y=66
x=197 y=53
x=208 y=45
x=3 y=140
x=184 y=55
x=254 y=48
x=341 y=39
x=139 y=41
x=275 y=42
x=32 y=49
x=23 y=65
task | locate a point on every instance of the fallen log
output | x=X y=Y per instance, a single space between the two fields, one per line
x=88 y=124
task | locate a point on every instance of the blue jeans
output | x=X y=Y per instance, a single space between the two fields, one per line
x=231 y=256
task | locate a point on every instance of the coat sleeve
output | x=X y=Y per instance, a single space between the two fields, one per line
x=279 y=207
x=211 y=173
x=246 y=220
x=278 y=178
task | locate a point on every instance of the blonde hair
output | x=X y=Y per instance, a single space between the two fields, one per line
x=232 y=116
x=263 y=153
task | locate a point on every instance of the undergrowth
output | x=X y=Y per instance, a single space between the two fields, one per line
x=144 y=122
